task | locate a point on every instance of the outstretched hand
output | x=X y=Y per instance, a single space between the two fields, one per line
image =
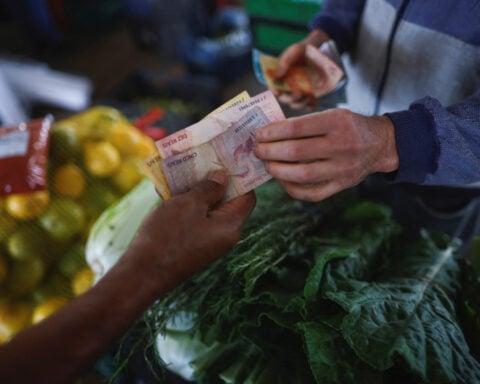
x=184 y=234
x=180 y=237
x=320 y=154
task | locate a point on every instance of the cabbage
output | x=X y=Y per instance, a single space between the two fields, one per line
x=116 y=227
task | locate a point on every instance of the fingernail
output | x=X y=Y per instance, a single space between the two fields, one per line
x=219 y=177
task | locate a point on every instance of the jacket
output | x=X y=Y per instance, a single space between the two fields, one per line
x=418 y=62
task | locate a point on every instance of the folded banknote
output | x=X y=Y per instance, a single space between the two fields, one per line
x=321 y=74
x=223 y=140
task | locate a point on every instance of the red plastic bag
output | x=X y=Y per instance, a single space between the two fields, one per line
x=23 y=157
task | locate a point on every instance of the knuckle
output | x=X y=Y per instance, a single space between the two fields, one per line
x=294 y=152
x=305 y=175
x=293 y=126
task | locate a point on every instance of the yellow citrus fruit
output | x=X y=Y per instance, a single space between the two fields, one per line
x=47 y=307
x=126 y=139
x=98 y=122
x=101 y=158
x=82 y=281
x=97 y=197
x=127 y=176
x=63 y=219
x=69 y=180
x=25 y=275
x=27 y=206
x=72 y=260
x=65 y=143
x=26 y=242
x=146 y=148
x=14 y=316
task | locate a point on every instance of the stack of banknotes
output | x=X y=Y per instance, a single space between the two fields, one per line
x=225 y=139
x=321 y=74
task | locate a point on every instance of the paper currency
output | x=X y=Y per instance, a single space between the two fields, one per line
x=322 y=73
x=213 y=125
x=240 y=98
x=229 y=148
x=231 y=151
x=151 y=166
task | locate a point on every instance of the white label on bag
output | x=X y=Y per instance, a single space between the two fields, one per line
x=14 y=144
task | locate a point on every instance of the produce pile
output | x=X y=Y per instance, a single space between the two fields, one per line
x=93 y=160
x=319 y=293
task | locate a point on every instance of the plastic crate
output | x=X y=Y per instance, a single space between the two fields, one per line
x=296 y=11
x=276 y=24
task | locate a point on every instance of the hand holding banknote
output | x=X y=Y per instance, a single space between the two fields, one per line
x=224 y=140
x=303 y=72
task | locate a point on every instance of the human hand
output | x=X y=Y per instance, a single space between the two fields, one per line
x=187 y=232
x=320 y=154
x=296 y=54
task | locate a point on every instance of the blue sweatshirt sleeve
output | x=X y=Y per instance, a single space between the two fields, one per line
x=340 y=20
x=439 y=146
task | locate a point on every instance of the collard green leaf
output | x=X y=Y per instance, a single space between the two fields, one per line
x=322 y=293
x=408 y=312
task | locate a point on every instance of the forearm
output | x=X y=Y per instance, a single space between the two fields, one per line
x=62 y=346
x=160 y=256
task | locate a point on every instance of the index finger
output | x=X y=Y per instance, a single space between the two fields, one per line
x=293 y=128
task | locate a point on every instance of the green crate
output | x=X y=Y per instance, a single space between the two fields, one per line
x=276 y=24
x=273 y=38
x=297 y=11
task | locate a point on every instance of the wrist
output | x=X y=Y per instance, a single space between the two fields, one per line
x=388 y=159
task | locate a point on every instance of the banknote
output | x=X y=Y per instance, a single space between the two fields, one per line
x=213 y=125
x=231 y=151
x=322 y=73
x=151 y=166
x=238 y=99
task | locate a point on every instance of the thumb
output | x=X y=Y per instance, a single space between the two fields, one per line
x=291 y=56
x=212 y=189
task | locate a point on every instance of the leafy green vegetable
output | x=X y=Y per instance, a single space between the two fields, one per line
x=318 y=293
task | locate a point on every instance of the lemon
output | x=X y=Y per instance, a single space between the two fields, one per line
x=26 y=242
x=146 y=148
x=69 y=180
x=98 y=122
x=63 y=219
x=127 y=176
x=27 y=206
x=126 y=139
x=82 y=281
x=25 y=275
x=101 y=158
x=72 y=260
x=65 y=143
x=48 y=307
x=97 y=197
x=14 y=316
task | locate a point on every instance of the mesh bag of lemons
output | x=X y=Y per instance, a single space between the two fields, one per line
x=93 y=160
